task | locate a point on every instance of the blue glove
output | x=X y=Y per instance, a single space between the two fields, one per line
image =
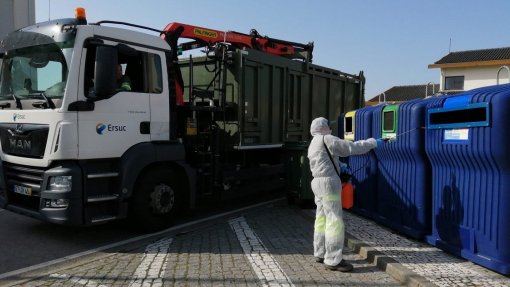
x=344 y=168
x=382 y=141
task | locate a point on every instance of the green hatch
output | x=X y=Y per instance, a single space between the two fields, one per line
x=389 y=121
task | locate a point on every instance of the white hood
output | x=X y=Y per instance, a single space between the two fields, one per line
x=320 y=127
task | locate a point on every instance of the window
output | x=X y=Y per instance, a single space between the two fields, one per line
x=34 y=73
x=142 y=70
x=454 y=83
x=154 y=73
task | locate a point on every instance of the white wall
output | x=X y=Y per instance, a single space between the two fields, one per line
x=15 y=14
x=477 y=76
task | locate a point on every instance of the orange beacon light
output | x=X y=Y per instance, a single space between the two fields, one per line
x=80 y=15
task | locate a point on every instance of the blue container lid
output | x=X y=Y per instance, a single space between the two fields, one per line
x=457 y=101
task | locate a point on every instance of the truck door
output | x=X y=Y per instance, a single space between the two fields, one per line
x=121 y=121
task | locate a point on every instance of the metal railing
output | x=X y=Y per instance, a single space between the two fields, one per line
x=501 y=68
x=384 y=97
x=427 y=89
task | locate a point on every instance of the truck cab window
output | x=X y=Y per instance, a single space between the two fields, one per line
x=139 y=72
x=154 y=73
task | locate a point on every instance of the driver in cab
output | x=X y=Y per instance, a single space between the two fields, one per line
x=123 y=81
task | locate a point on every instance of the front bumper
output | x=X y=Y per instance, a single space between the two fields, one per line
x=36 y=203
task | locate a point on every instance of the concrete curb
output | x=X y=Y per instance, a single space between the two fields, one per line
x=387 y=264
x=23 y=275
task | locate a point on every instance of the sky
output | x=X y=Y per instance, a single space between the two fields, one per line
x=391 y=41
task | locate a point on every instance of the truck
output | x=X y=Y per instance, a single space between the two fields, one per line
x=77 y=150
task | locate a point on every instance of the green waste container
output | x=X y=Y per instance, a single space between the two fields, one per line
x=298 y=176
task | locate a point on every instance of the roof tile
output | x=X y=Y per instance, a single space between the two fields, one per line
x=406 y=93
x=476 y=55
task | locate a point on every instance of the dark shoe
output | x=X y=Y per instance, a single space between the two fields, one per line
x=342 y=267
x=319 y=260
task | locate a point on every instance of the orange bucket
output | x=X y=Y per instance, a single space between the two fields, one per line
x=347 y=195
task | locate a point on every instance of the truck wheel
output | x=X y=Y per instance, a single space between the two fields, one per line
x=156 y=200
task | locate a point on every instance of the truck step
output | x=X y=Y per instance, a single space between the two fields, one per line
x=102 y=219
x=102 y=198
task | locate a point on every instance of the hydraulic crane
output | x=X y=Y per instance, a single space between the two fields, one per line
x=208 y=37
x=205 y=37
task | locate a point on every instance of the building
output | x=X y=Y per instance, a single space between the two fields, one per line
x=404 y=93
x=15 y=14
x=466 y=70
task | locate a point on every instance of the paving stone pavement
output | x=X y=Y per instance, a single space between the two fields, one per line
x=267 y=246
x=438 y=267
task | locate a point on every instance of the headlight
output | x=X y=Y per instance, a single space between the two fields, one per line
x=60 y=183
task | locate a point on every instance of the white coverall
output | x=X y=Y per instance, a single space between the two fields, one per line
x=329 y=229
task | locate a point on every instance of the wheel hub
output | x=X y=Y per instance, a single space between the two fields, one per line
x=162 y=199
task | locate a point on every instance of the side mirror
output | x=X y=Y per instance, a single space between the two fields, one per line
x=105 y=71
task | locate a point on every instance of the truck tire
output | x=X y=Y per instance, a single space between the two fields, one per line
x=157 y=199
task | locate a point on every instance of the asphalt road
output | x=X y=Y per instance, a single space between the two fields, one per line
x=25 y=241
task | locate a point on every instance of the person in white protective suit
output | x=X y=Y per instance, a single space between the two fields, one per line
x=329 y=229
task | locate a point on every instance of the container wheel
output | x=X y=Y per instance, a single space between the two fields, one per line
x=156 y=200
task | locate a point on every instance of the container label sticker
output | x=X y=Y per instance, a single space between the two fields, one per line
x=390 y=135
x=456 y=134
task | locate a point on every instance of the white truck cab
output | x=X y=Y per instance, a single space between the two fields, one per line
x=73 y=142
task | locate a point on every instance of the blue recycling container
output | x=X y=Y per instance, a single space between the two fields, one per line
x=363 y=167
x=404 y=195
x=467 y=141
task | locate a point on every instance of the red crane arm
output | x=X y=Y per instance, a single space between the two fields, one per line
x=209 y=36
x=240 y=40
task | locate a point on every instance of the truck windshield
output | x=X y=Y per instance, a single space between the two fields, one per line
x=37 y=74
x=34 y=66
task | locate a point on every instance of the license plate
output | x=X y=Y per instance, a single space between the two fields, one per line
x=23 y=190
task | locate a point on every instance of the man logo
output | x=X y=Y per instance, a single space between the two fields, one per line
x=100 y=128
x=19 y=128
